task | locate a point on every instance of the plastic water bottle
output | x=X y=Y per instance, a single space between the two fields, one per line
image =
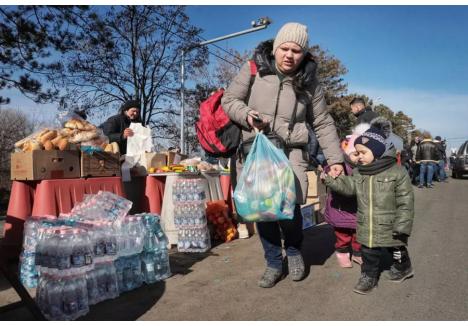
x=92 y=287
x=54 y=299
x=148 y=268
x=63 y=250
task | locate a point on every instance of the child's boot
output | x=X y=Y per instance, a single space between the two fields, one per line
x=394 y=275
x=343 y=259
x=401 y=268
x=365 y=284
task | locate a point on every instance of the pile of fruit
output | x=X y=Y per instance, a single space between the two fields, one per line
x=217 y=215
x=166 y=169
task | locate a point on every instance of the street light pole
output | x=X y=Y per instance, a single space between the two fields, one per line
x=260 y=24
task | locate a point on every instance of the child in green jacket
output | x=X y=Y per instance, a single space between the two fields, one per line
x=385 y=209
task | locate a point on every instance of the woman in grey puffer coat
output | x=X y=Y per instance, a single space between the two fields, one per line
x=286 y=73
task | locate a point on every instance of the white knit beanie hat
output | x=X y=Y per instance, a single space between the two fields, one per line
x=292 y=32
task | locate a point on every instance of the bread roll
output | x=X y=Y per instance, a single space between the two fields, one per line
x=115 y=148
x=83 y=136
x=63 y=144
x=109 y=148
x=48 y=136
x=67 y=132
x=56 y=140
x=42 y=133
x=72 y=124
x=48 y=146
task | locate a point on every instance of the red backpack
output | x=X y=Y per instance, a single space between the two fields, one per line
x=217 y=134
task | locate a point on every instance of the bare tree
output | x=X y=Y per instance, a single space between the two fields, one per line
x=132 y=52
x=15 y=126
x=31 y=40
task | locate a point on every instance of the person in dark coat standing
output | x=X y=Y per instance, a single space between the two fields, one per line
x=363 y=113
x=427 y=156
x=117 y=126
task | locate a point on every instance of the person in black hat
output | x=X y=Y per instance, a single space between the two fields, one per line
x=117 y=126
x=363 y=113
x=440 y=174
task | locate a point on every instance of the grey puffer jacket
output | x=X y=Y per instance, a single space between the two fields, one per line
x=274 y=99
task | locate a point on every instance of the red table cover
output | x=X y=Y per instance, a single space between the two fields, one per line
x=47 y=197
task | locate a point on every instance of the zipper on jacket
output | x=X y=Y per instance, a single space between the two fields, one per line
x=277 y=105
x=370 y=211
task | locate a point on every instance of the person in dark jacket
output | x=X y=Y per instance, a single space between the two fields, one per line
x=385 y=206
x=363 y=113
x=440 y=167
x=427 y=156
x=117 y=126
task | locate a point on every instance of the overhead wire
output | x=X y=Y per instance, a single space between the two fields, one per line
x=203 y=39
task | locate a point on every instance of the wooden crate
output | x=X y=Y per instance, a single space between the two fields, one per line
x=100 y=164
x=41 y=165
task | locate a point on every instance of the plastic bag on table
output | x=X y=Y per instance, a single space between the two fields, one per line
x=266 y=189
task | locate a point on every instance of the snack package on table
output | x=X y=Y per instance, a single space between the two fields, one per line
x=266 y=189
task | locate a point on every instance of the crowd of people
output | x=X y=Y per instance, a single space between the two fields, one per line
x=425 y=159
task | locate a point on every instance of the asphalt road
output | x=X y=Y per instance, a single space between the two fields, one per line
x=221 y=285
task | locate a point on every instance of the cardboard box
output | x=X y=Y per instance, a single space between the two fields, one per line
x=174 y=158
x=100 y=164
x=41 y=165
x=155 y=160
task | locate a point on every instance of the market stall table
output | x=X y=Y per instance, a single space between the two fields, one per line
x=47 y=197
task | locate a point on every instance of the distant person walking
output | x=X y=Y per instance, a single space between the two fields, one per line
x=427 y=156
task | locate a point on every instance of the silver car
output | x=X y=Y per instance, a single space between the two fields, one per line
x=460 y=163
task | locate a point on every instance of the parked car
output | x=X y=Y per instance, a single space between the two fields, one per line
x=460 y=164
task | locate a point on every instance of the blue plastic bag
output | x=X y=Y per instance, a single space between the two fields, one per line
x=266 y=190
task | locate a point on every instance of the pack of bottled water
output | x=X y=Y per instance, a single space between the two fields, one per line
x=188 y=195
x=188 y=189
x=102 y=238
x=75 y=261
x=62 y=297
x=34 y=229
x=102 y=282
x=64 y=251
x=130 y=234
x=155 y=255
x=128 y=270
x=104 y=204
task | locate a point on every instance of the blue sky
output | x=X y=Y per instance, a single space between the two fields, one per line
x=411 y=58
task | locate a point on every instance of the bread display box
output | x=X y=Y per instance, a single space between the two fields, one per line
x=41 y=165
x=100 y=164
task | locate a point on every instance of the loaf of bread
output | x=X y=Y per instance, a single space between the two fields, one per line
x=63 y=144
x=67 y=132
x=48 y=146
x=31 y=145
x=79 y=124
x=83 y=136
x=51 y=134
